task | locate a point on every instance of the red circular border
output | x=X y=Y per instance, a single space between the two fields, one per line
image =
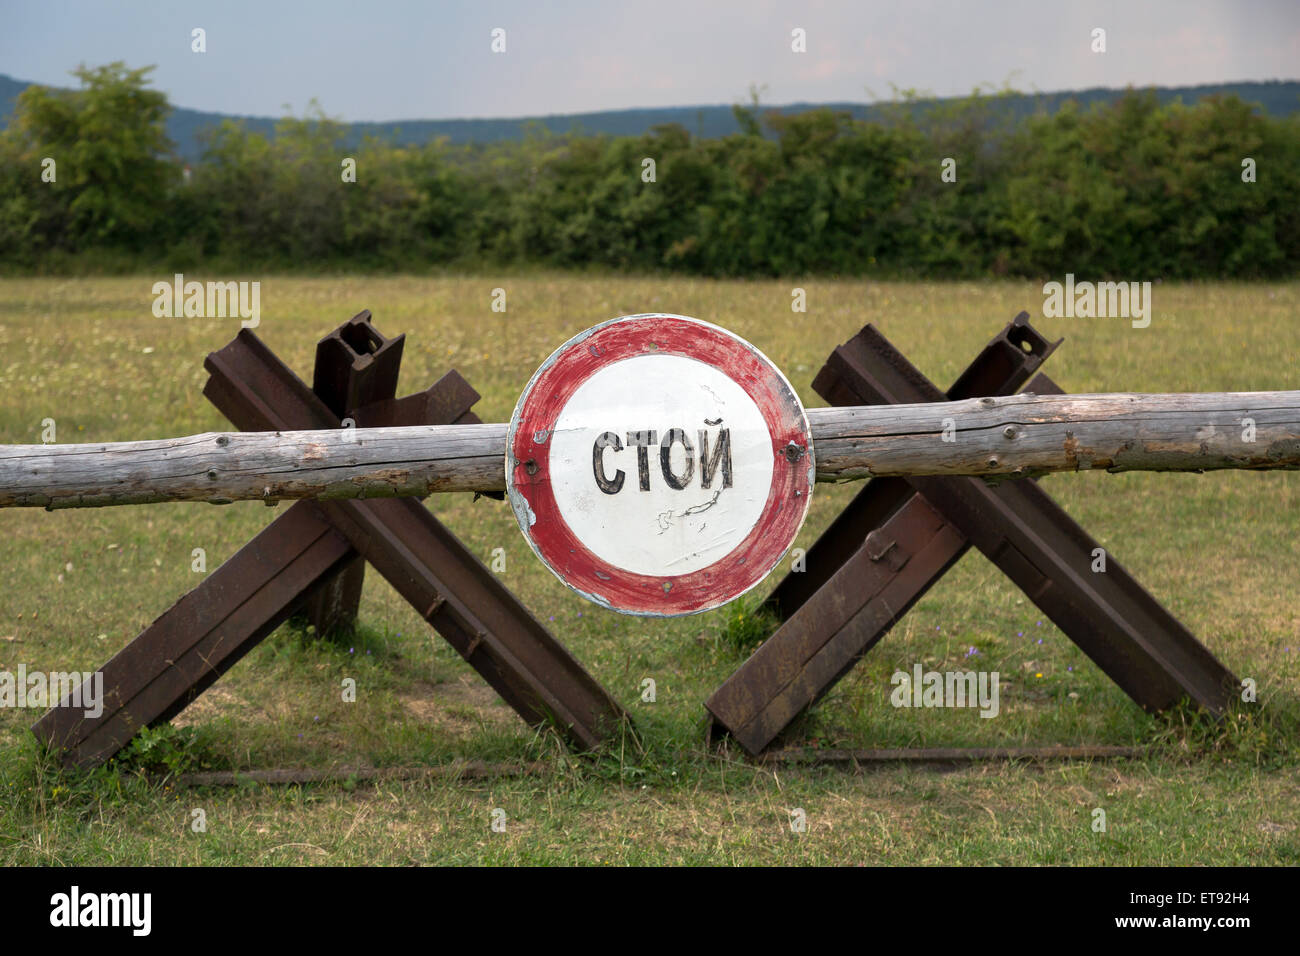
x=551 y=538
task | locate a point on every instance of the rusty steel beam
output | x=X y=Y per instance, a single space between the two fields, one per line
x=1002 y=366
x=906 y=542
x=1120 y=626
x=213 y=626
x=356 y=367
x=427 y=564
x=879 y=556
x=1113 y=619
x=201 y=636
x=209 y=629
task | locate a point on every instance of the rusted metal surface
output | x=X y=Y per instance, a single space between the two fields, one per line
x=209 y=629
x=1116 y=622
x=356 y=367
x=827 y=635
x=448 y=402
x=877 y=558
x=531 y=670
x=1008 y=361
x=201 y=636
x=1121 y=627
x=213 y=626
x=427 y=564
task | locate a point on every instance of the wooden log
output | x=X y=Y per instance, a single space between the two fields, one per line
x=220 y=467
x=1026 y=434
x=462 y=770
x=949 y=755
x=1012 y=436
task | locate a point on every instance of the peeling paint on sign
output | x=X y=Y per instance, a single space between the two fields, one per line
x=659 y=465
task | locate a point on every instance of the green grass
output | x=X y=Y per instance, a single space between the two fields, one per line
x=1219 y=550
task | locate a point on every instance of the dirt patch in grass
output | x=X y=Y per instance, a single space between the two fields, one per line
x=217 y=701
x=461 y=707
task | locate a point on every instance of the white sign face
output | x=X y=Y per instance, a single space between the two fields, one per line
x=661 y=464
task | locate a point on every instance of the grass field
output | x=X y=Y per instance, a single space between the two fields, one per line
x=1222 y=551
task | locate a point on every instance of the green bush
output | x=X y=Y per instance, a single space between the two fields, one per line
x=1131 y=189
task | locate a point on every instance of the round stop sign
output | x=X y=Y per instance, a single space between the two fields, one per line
x=659 y=465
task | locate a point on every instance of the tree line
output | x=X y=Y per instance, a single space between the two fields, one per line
x=1131 y=189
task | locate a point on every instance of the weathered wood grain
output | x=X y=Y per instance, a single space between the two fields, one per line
x=1012 y=436
x=1027 y=434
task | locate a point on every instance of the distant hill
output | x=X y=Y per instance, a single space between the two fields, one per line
x=1275 y=98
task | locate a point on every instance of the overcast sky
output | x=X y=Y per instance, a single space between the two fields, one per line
x=404 y=59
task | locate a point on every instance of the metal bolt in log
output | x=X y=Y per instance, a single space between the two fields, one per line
x=1112 y=432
